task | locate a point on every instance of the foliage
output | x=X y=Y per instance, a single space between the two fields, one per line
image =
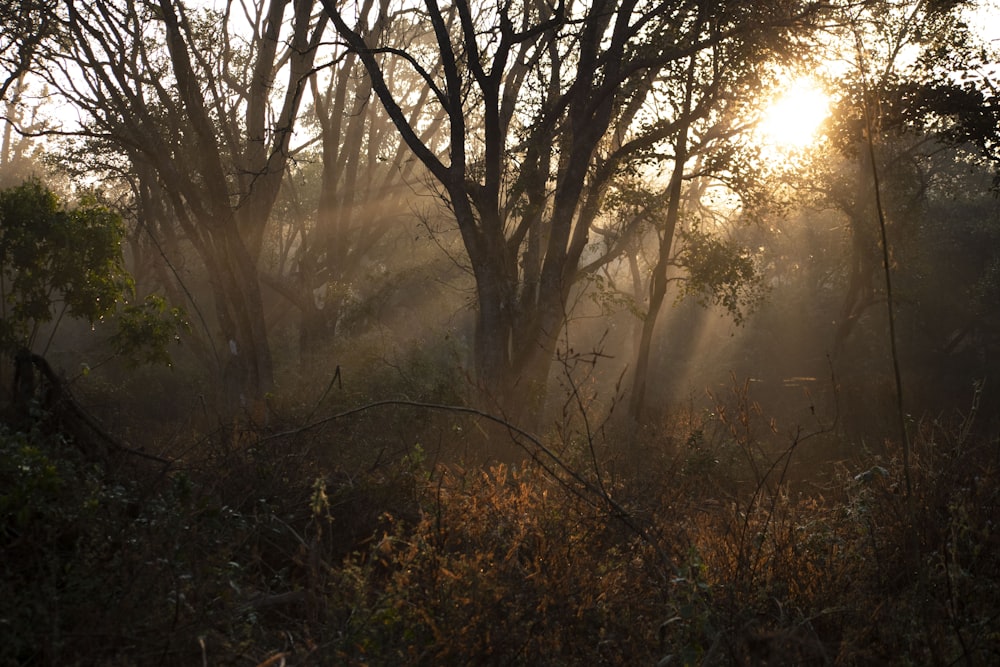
x=56 y=261
x=103 y=559
x=720 y=272
x=50 y=254
x=146 y=330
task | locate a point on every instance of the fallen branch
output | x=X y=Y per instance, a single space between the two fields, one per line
x=55 y=396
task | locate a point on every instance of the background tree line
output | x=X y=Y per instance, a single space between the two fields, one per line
x=270 y=158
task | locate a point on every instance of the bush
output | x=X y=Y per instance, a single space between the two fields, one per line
x=261 y=547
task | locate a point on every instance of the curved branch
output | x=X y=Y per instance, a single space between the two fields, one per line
x=542 y=455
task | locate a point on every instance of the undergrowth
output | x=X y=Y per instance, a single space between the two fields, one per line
x=267 y=547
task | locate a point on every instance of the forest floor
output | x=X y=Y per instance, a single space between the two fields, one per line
x=360 y=543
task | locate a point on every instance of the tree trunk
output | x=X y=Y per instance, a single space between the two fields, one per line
x=658 y=281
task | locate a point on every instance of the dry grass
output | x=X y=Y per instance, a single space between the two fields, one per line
x=266 y=551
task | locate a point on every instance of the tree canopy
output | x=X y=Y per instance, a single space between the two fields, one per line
x=571 y=147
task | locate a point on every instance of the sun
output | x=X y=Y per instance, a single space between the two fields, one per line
x=793 y=119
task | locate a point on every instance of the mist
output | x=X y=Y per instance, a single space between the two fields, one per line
x=646 y=333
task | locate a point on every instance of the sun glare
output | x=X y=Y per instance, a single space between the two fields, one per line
x=792 y=120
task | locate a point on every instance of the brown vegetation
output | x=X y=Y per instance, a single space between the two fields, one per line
x=343 y=544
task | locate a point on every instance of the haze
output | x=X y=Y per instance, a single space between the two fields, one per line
x=532 y=333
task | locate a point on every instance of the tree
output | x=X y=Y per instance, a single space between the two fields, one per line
x=707 y=92
x=909 y=107
x=542 y=106
x=60 y=262
x=18 y=147
x=55 y=260
x=345 y=196
x=26 y=26
x=207 y=117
